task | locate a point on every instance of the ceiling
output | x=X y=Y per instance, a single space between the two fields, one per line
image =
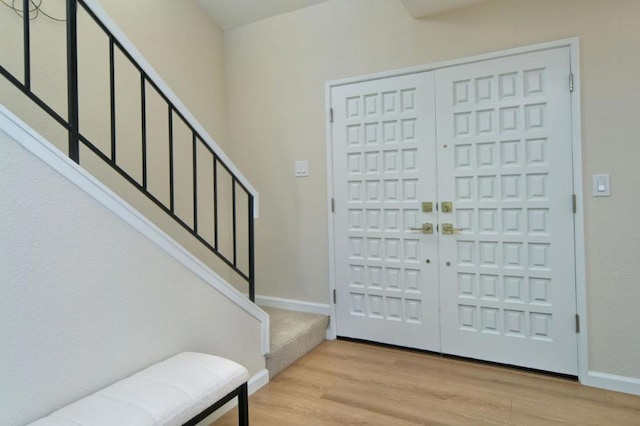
x=235 y=13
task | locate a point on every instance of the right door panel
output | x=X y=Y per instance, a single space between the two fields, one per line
x=507 y=285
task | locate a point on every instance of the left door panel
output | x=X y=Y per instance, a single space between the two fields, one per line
x=384 y=170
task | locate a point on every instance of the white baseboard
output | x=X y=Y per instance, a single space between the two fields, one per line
x=612 y=382
x=293 y=305
x=256 y=382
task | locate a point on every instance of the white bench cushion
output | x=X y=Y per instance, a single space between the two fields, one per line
x=168 y=393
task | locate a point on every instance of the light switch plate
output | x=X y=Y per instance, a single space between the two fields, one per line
x=601 y=186
x=301 y=169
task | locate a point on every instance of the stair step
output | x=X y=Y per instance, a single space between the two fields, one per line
x=292 y=334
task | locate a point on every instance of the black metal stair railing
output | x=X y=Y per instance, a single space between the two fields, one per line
x=76 y=139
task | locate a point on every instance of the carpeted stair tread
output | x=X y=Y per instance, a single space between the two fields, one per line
x=292 y=335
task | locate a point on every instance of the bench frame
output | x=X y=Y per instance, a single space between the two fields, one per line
x=243 y=406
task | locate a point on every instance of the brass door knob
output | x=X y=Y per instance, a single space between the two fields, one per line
x=426 y=228
x=448 y=229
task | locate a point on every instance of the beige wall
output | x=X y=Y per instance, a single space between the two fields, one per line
x=185 y=47
x=276 y=71
x=177 y=38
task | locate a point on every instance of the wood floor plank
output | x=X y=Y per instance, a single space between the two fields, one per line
x=278 y=406
x=302 y=381
x=429 y=387
x=348 y=383
x=419 y=407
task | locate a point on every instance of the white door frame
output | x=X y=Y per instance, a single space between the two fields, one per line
x=576 y=142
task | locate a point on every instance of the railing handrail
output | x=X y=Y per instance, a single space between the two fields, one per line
x=176 y=111
x=146 y=67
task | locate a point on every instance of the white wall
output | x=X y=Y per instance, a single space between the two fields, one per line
x=87 y=300
x=276 y=71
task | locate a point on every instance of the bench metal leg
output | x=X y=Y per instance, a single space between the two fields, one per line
x=243 y=406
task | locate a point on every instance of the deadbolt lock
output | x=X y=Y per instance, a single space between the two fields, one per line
x=427 y=207
x=447 y=207
x=426 y=228
x=448 y=229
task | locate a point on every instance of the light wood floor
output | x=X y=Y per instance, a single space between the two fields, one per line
x=346 y=383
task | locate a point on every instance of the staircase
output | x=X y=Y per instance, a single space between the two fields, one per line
x=292 y=334
x=178 y=189
x=145 y=146
x=153 y=247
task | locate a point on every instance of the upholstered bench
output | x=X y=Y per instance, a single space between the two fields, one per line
x=183 y=389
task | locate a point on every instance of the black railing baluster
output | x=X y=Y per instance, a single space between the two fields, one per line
x=252 y=272
x=72 y=80
x=215 y=201
x=71 y=125
x=233 y=202
x=171 y=195
x=27 y=43
x=112 y=96
x=143 y=107
x=195 y=183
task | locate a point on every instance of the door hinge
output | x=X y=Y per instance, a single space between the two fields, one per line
x=330 y=115
x=333 y=205
x=334 y=296
x=570 y=82
x=575 y=203
x=577 y=323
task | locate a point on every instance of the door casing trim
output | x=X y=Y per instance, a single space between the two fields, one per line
x=573 y=44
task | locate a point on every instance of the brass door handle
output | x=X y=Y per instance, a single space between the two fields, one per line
x=426 y=228
x=448 y=229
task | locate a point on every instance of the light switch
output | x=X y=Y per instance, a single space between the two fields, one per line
x=301 y=169
x=601 y=186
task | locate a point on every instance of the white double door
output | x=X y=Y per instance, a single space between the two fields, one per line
x=493 y=140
